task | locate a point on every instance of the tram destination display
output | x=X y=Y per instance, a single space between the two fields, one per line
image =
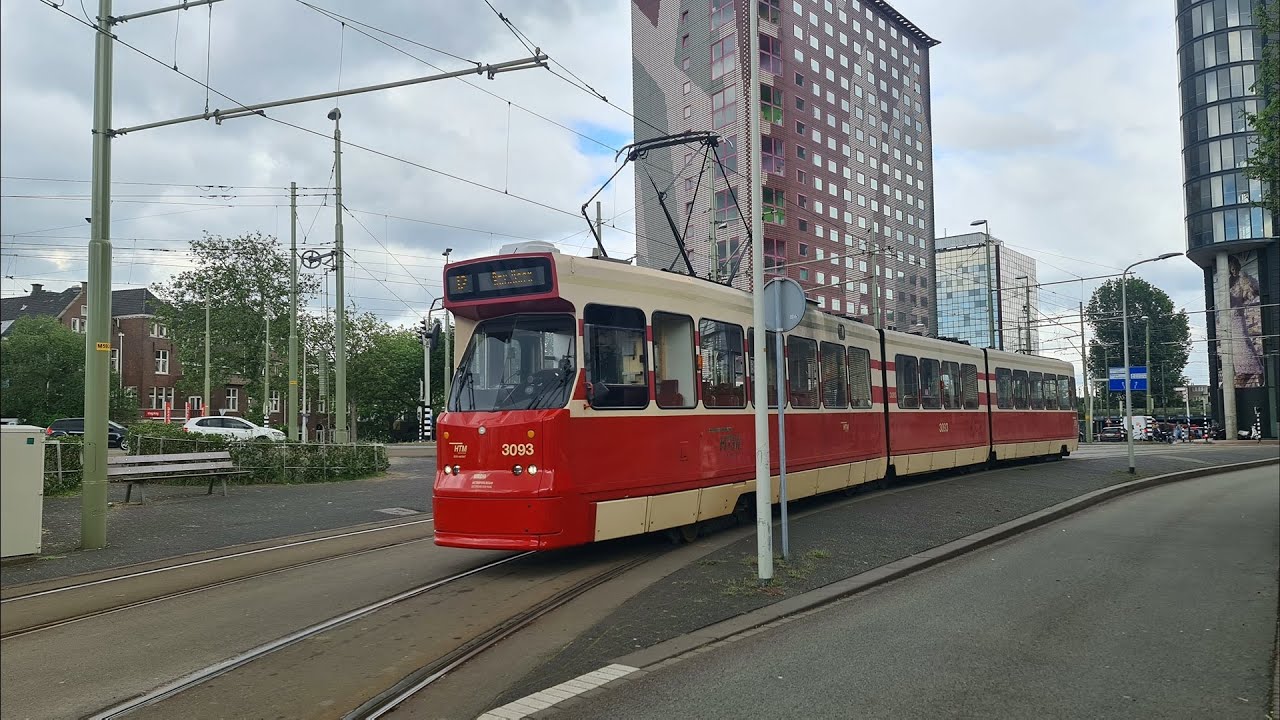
x=499 y=278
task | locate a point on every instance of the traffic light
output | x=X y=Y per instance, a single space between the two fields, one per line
x=422 y=330
x=435 y=335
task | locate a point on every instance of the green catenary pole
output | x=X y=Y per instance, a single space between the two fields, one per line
x=294 y=430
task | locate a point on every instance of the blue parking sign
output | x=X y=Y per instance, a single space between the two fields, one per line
x=1137 y=378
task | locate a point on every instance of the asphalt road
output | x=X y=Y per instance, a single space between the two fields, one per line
x=1160 y=604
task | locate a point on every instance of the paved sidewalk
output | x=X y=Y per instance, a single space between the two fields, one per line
x=177 y=520
x=842 y=539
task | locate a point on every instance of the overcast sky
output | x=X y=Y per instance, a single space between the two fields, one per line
x=1065 y=140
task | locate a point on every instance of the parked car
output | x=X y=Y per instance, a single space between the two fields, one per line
x=236 y=427
x=1113 y=433
x=117 y=434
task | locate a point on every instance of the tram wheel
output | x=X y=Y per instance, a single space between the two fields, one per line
x=689 y=533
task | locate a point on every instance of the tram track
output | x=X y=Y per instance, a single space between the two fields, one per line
x=31 y=612
x=215 y=670
x=394 y=696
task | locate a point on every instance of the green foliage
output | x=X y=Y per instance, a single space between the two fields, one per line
x=267 y=462
x=63 y=465
x=1170 y=337
x=1264 y=164
x=42 y=364
x=244 y=279
x=42 y=374
x=383 y=381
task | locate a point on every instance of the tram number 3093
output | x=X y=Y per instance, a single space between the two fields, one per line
x=944 y=427
x=517 y=449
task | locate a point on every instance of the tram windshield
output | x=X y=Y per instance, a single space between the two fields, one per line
x=518 y=362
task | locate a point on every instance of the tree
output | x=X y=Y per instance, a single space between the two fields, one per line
x=1170 y=338
x=383 y=381
x=245 y=280
x=1264 y=163
x=42 y=374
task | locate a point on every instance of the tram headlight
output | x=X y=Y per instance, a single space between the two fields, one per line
x=457 y=469
x=533 y=469
x=517 y=470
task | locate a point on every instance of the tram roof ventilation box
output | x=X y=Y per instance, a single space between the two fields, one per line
x=530 y=246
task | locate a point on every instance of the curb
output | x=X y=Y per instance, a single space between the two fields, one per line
x=637 y=664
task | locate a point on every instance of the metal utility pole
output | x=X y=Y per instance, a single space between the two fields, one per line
x=340 y=310
x=447 y=339
x=1148 y=364
x=97 y=368
x=1026 y=308
x=873 y=253
x=764 y=483
x=1088 y=381
x=991 y=314
x=294 y=428
x=207 y=396
x=266 y=373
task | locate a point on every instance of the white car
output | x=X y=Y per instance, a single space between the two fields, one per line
x=236 y=427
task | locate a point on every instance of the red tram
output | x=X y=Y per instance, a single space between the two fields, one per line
x=596 y=400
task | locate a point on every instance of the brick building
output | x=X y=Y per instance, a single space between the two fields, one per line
x=846 y=145
x=142 y=353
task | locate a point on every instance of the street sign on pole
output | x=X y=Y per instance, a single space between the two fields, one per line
x=784 y=305
x=1137 y=378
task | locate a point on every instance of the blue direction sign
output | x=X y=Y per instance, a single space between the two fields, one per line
x=1137 y=378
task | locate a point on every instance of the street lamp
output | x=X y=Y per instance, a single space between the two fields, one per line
x=991 y=315
x=1128 y=383
x=1026 y=309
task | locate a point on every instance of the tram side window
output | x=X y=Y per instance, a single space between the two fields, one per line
x=1037 y=390
x=908 y=372
x=771 y=364
x=724 y=382
x=1004 y=388
x=834 y=391
x=1050 y=392
x=951 y=388
x=802 y=371
x=930 y=386
x=969 y=386
x=615 y=357
x=859 y=377
x=673 y=355
x=1070 y=393
x=1020 y=389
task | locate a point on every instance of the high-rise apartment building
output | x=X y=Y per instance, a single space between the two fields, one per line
x=1230 y=235
x=847 y=172
x=962 y=293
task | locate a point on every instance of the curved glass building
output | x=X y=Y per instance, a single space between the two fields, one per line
x=1229 y=233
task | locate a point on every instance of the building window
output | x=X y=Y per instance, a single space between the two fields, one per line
x=726 y=255
x=771 y=11
x=726 y=204
x=770 y=105
x=721 y=13
x=196 y=402
x=115 y=359
x=772 y=155
x=275 y=401
x=233 y=399
x=722 y=56
x=770 y=54
x=160 y=396
x=78 y=324
x=775 y=255
x=159 y=330
x=162 y=362
x=729 y=154
x=684 y=41
x=724 y=107
x=774 y=205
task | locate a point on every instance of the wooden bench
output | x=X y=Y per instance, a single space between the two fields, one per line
x=141 y=469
